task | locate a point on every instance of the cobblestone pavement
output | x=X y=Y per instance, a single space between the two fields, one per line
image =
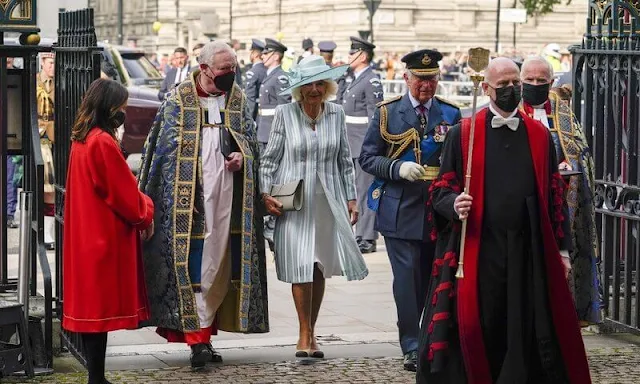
x=608 y=366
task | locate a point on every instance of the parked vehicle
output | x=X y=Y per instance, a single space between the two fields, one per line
x=130 y=67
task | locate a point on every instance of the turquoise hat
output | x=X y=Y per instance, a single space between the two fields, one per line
x=312 y=68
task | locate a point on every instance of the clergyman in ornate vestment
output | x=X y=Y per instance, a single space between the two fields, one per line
x=205 y=264
x=573 y=154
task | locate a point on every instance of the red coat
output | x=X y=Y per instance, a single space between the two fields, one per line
x=102 y=261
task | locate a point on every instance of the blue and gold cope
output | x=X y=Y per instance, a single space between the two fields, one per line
x=399 y=130
x=171 y=174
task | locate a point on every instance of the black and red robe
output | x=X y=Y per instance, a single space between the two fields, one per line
x=511 y=319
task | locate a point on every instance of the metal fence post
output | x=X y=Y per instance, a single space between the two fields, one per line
x=24 y=267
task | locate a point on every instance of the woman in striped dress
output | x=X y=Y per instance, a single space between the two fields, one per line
x=308 y=142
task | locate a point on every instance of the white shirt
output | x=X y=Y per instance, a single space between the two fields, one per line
x=181 y=74
x=360 y=72
x=495 y=113
x=271 y=70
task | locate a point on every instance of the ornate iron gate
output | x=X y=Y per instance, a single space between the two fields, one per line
x=606 y=97
x=77 y=66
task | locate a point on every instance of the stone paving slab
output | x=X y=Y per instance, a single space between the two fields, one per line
x=608 y=366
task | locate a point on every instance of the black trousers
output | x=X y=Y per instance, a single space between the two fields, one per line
x=95 y=350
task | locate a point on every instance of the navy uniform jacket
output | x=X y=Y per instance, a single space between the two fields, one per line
x=255 y=76
x=359 y=102
x=401 y=208
x=343 y=82
x=273 y=84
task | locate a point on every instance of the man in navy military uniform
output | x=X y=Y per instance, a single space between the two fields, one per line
x=274 y=82
x=402 y=150
x=326 y=49
x=359 y=100
x=255 y=76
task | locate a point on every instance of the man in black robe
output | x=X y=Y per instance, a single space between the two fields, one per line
x=511 y=318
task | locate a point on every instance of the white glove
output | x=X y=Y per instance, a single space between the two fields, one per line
x=411 y=171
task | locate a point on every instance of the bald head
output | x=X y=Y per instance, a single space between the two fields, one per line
x=502 y=85
x=498 y=67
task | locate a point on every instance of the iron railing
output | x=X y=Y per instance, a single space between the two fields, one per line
x=606 y=97
x=77 y=66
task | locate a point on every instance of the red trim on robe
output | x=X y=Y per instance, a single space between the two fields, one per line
x=564 y=318
x=447 y=180
x=203 y=336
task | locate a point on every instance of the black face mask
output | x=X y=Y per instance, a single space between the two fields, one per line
x=508 y=98
x=117 y=120
x=535 y=94
x=225 y=82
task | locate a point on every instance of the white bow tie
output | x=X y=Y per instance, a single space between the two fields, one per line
x=511 y=122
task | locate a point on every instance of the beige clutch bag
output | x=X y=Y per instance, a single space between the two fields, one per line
x=291 y=195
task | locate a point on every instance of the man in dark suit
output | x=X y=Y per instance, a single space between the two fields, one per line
x=255 y=75
x=402 y=150
x=177 y=74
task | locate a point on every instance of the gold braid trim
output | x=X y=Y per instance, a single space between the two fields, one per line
x=398 y=143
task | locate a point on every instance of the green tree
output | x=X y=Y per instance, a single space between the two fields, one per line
x=541 y=7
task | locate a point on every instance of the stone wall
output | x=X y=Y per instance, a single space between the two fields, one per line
x=399 y=25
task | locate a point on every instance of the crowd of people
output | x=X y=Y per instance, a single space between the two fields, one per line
x=315 y=162
x=388 y=66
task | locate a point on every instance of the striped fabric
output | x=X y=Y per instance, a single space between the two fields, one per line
x=294 y=152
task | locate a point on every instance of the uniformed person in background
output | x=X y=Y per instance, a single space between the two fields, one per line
x=255 y=76
x=326 y=49
x=359 y=101
x=274 y=82
x=45 y=95
x=307 y=48
x=402 y=150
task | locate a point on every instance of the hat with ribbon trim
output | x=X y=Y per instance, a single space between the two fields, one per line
x=312 y=68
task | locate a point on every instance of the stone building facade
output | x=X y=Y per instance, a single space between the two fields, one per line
x=399 y=25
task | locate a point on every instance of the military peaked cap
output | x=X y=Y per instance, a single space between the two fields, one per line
x=274 y=45
x=327 y=46
x=358 y=44
x=423 y=63
x=257 y=45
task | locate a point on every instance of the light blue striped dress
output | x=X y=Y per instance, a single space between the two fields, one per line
x=321 y=231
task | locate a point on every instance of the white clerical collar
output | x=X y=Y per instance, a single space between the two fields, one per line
x=415 y=102
x=272 y=69
x=360 y=72
x=495 y=113
x=540 y=114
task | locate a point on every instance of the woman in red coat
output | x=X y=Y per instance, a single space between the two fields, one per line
x=104 y=218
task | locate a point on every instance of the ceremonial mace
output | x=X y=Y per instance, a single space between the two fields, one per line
x=478 y=61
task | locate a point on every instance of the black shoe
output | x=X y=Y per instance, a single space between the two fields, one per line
x=200 y=356
x=367 y=246
x=216 y=357
x=411 y=361
x=11 y=223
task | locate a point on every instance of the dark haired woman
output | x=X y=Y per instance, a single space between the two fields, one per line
x=104 y=218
